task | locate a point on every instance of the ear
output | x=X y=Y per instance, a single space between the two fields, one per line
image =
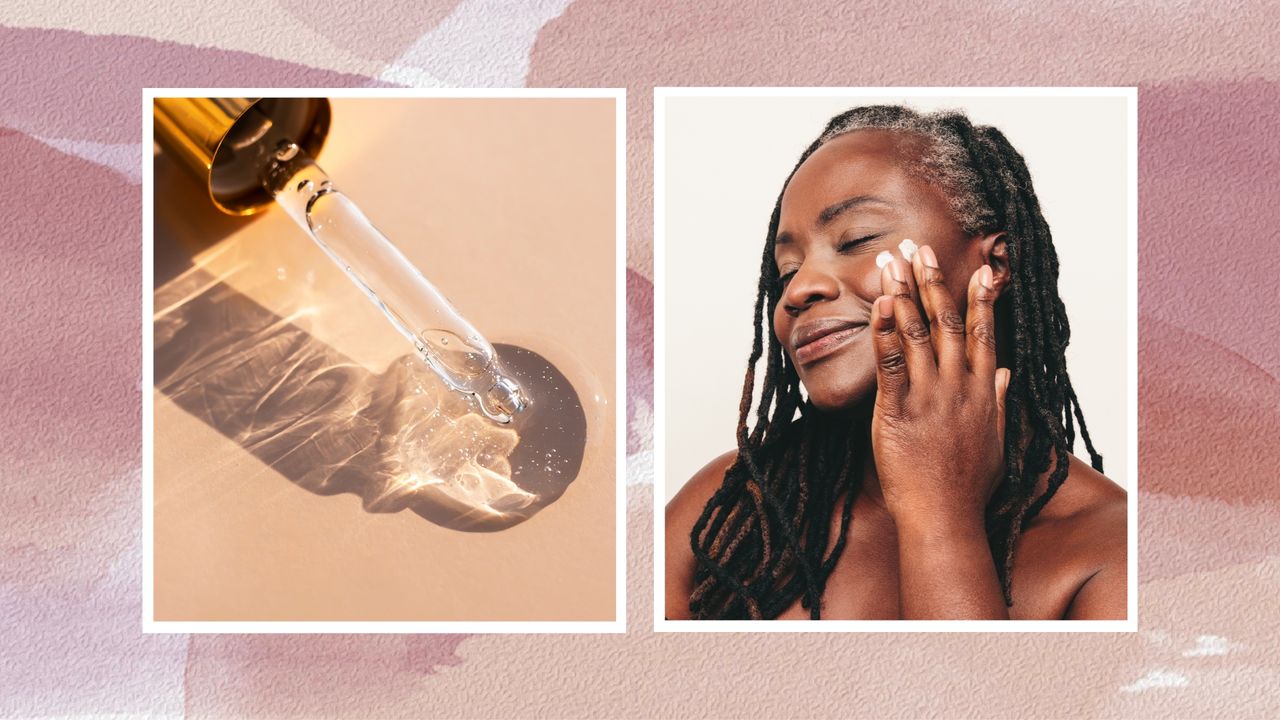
x=995 y=252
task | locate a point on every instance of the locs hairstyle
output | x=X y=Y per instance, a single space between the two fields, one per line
x=760 y=542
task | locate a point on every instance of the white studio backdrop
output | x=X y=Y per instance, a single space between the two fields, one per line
x=723 y=162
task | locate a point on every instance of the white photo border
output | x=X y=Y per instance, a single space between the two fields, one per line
x=660 y=623
x=618 y=624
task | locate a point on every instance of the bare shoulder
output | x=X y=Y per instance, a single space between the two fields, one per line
x=687 y=504
x=681 y=515
x=1078 y=546
x=1090 y=501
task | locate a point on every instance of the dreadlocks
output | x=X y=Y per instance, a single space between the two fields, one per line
x=761 y=541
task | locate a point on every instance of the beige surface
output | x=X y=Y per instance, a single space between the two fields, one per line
x=508 y=207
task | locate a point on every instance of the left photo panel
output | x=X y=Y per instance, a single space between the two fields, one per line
x=382 y=334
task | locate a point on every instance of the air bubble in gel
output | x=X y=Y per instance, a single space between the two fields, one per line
x=450 y=345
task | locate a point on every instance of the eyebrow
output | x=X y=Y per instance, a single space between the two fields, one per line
x=834 y=211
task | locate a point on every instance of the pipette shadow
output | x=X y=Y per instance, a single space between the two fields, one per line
x=399 y=440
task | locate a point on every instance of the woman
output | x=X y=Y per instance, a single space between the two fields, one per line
x=928 y=473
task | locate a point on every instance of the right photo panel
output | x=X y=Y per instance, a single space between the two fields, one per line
x=895 y=358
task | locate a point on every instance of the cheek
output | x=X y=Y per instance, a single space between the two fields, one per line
x=781 y=324
x=957 y=270
x=959 y=256
x=868 y=283
x=863 y=278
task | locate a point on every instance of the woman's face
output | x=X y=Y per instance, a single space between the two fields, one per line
x=850 y=200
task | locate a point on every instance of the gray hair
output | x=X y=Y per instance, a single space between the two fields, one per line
x=943 y=159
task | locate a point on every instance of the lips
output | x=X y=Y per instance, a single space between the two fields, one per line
x=818 y=338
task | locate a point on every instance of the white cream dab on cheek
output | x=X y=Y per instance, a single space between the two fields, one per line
x=908 y=249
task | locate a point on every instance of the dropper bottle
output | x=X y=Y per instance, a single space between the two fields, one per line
x=258 y=152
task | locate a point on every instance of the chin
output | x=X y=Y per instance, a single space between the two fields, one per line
x=834 y=395
x=843 y=381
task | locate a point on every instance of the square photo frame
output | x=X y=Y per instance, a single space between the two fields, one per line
x=721 y=156
x=294 y=479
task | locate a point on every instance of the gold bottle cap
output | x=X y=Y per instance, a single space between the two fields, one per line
x=224 y=141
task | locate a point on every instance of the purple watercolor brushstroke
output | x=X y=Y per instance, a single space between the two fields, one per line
x=70 y=583
x=370 y=28
x=639 y=361
x=94 y=91
x=1209 y=166
x=322 y=675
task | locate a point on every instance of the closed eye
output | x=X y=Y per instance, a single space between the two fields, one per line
x=848 y=245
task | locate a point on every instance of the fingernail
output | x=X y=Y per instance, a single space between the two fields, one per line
x=885 y=304
x=895 y=269
x=984 y=277
x=928 y=258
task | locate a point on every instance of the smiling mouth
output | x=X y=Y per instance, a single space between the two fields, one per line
x=821 y=342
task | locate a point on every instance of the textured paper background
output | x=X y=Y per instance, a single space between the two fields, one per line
x=70 y=285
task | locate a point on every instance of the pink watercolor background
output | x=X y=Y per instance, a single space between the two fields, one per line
x=70 y=284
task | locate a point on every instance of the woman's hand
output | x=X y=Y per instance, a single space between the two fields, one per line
x=937 y=434
x=938 y=427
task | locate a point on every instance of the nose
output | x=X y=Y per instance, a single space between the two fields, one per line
x=811 y=284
